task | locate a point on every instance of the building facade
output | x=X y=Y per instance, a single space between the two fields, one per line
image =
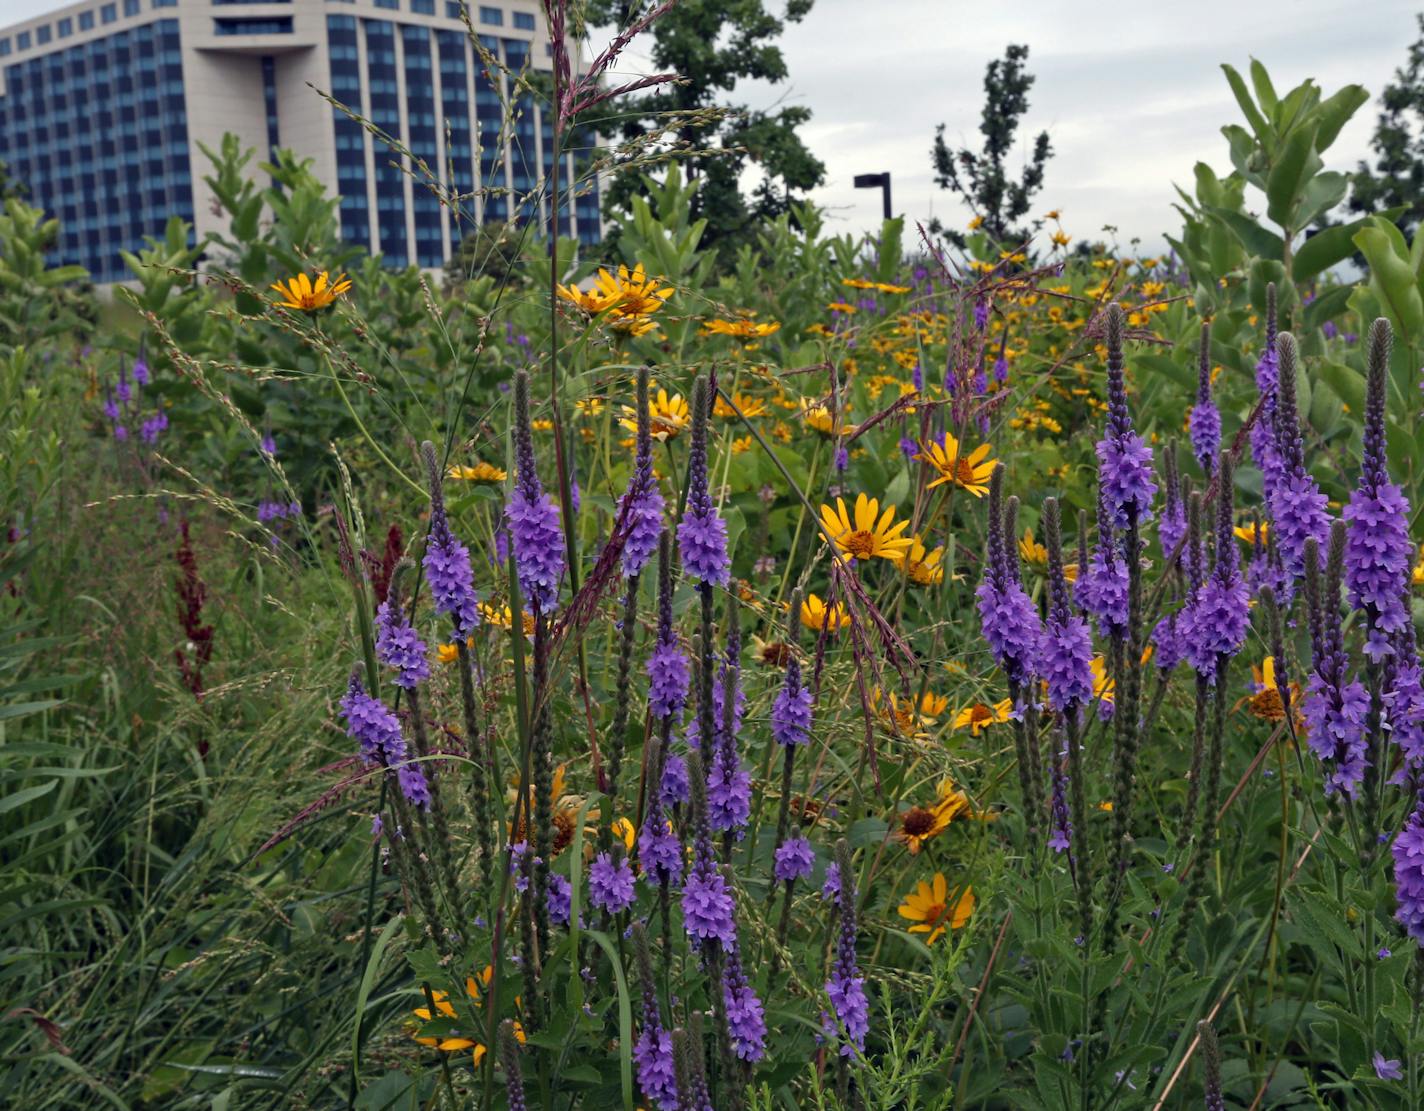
x=105 y=106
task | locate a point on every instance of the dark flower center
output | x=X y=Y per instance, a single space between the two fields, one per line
x=918 y=821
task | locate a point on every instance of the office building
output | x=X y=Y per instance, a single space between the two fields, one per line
x=104 y=105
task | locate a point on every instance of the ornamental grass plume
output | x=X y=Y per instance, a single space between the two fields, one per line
x=447 y=561
x=534 y=525
x=1124 y=461
x=1378 y=551
x=702 y=534
x=1298 y=509
x=1204 y=422
x=643 y=500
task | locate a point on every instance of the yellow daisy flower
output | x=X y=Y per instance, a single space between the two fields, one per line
x=980 y=715
x=304 y=295
x=867 y=534
x=668 y=415
x=924 y=568
x=449 y=653
x=930 y=908
x=455 y=1042
x=919 y=823
x=480 y=472
x=816 y=615
x=742 y=328
x=748 y=406
x=632 y=294
x=624 y=831
x=970 y=471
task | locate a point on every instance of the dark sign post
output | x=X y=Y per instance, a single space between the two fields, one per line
x=876 y=181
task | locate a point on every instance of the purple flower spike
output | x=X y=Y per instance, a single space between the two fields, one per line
x=1009 y=618
x=702 y=534
x=534 y=523
x=1125 y=462
x=746 y=1021
x=610 y=883
x=791 y=711
x=373 y=724
x=643 y=501
x=447 y=561
x=1298 y=508
x=1408 y=852
x=794 y=860
x=1378 y=550
x=399 y=646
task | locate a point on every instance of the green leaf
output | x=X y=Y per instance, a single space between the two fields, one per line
x=368 y=980
x=1324 y=249
x=1248 y=107
x=1393 y=282
x=1348 y=385
x=1335 y=112
x=29 y=794
x=1321 y=193
x=1261 y=82
x=625 y=1017
x=1289 y=174
x=1257 y=240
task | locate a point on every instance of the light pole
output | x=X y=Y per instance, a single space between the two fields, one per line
x=876 y=181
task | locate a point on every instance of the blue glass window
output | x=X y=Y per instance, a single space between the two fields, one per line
x=165 y=3
x=423 y=7
x=493 y=16
x=452 y=9
x=42 y=34
x=524 y=21
x=108 y=13
x=22 y=40
x=4 y=47
x=281 y=25
x=86 y=21
x=130 y=7
x=394 y=5
x=384 y=98
x=100 y=132
x=65 y=27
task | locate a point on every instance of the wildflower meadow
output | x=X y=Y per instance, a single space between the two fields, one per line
x=823 y=671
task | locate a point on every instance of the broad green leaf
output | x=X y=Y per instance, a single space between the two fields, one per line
x=1261 y=82
x=1393 y=282
x=1335 y=112
x=1257 y=240
x=1324 y=249
x=1289 y=174
x=1248 y=107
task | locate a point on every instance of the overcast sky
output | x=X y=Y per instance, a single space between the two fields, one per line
x=1131 y=93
